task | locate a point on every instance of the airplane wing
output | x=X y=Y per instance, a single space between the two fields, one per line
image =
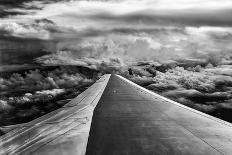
x=63 y=131
x=117 y=117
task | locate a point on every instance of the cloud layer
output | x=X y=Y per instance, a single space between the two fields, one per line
x=199 y=87
x=78 y=32
x=33 y=93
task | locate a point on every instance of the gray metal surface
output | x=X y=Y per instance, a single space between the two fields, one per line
x=131 y=121
x=125 y=119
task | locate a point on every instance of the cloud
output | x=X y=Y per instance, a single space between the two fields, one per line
x=84 y=36
x=221 y=70
x=41 y=29
x=8 y=68
x=52 y=92
x=205 y=89
x=187 y=46
x=193 y=12
x=143 y=81
x=5 y=107
x=123 y=13
x=36 y=80
x=21 y=7
x=28 y=94
x=159 y=87
x=21 y=109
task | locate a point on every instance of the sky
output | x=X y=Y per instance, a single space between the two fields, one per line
x=188 y=12
x=52 y=31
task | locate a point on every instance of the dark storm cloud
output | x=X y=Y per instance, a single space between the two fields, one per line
x=178 y=18
x=13 y=3
x=148 y=30
x=55 y=32
x=21 y=51
x=153 y=12
x=8 y=6
x=21 y=3
x=18 y=7
x=4 y=13
x=21 y=43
